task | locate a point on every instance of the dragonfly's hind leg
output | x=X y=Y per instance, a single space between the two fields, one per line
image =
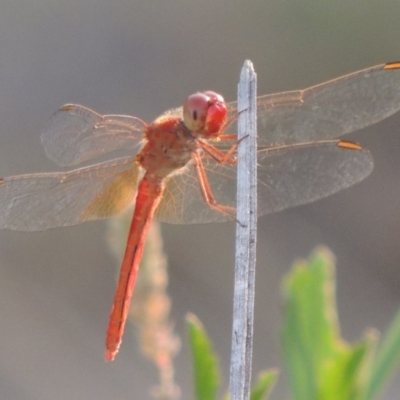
x=206 y=191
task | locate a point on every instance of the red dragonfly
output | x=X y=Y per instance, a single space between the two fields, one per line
x=181 y=167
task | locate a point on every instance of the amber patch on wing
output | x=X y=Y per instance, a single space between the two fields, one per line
x=115 y=198
x=1 y=181
x=392 y=65
x=349 y=145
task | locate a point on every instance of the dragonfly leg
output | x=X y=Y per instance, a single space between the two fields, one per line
x=219 y=156
x=206 y=191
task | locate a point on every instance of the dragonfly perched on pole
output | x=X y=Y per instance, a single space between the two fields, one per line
x=181 y=167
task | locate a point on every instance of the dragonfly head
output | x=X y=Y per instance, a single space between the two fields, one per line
x=204 y=113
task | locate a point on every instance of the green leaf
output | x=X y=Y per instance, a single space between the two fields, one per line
x=320 y=364
x=265 y=382
x=347 y=374
x=310 y=325
x=205 y=363
x=387 y=358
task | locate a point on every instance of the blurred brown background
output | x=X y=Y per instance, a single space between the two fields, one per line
x=142 y=57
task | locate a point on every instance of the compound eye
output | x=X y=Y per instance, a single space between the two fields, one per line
x=214 y=97
x=195 y=110
x=205 y=114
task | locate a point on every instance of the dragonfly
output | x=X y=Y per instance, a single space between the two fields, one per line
x=181 y=167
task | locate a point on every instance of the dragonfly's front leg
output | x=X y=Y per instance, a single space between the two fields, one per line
x=219 y=156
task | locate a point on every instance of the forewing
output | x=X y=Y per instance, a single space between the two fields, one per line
x=287 y=176
x=75 y=134
x=38 y=202
x=328 y=110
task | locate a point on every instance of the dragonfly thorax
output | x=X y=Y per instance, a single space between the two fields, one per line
x=169 y=147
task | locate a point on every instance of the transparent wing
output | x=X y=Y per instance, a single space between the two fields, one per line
x=331 y=109
x=75 y=134
x=292 y=169
x=325 y=111
x=288 y=175
x=38 y=202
